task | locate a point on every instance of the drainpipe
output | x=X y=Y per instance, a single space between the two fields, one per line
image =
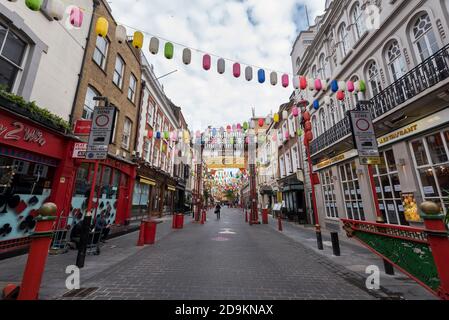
x=139 y=110
x=96 y=3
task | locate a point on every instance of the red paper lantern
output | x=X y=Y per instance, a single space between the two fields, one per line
x=340 y=95
x=306 y=142
x=302 y=83
x=308 y=126
x=261 y=122
x=306 y=116
x=309 y=136
x=150 y=134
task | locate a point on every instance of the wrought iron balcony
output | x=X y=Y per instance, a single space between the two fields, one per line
x=424 y=76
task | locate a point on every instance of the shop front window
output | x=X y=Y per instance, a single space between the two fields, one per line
x=388 y=189
x=431 y=159
x=329 y=195
x=352 y=193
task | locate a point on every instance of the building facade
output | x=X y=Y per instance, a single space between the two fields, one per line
x=404 y=63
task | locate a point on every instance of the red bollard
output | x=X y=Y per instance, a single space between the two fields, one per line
x=279 y=223
x=38 y=253
x=205 y=215
x=202 y=217
x=174 y=224
x=141 y=240
x=265 y=216
x=150 y=232
x=179 y=221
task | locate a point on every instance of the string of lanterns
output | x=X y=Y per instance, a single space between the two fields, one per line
x=56 y=9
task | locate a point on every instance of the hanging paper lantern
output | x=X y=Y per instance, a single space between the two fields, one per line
x=120 y=34
x=357 y=86
x=342 y=85
x=34 y=5
x=350 y=86
x=274 y=137
x=261 y=75
x=214 y=132
x=362 y=86
x=261 y=122
x=268 y=120
x=166 y=135
x=236 y=70
x=316 y=104
x=284 y=115
x=318 y=85
x=76 y=17
x=228 y=129
x=334 y=85
x=273 y=78
x=276 y=117
x=306 y=116
x=245 y=125
x=309 y=136
x=324 y=85
x=158 y=135
x=138 y=40
x=307 y=126
x=285 y=80
x=311 y=84
x=340 y=95
x=327 y=100
x=287 y=135
x=150 y=134
x=296 y=82
x=206 y=62
x=221 y=66
x=252 y=124
x=303 y=83
x=299 y=132
x=154 y=45
x=55 y=9
x=239 y=127
x=168 y=50
x=102 y=27
x=306 y=142
x=295 y=111
x=249 y=73
x=186 y=56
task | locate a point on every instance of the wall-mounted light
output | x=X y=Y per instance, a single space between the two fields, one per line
x=401 y=162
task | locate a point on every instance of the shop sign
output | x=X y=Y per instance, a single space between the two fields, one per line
x=364 y=136
x=100 y=134
x=422 y=125
x=20 y=132
x=79 y=150
x=82 y=127
x=341 y=157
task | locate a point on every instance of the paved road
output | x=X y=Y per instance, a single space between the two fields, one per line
x=224 y=260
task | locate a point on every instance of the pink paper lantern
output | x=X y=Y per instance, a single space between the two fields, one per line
x=295 y=111
x=236 y=70
x=207 y=62
x=350 y=86
x=76 y=17
x=285 y=80
x=239 y=127
x=287 y=135
x=318 y=85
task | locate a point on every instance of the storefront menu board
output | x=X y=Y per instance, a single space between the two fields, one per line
x=364 y=136
x=100 y=134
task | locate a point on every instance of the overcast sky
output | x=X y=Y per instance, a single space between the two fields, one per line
x=256 y=32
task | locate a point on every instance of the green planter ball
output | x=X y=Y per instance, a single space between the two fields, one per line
x=168 y=52
x=34 y=5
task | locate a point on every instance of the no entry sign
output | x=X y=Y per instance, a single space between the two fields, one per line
x=100 y=134
x=364 y=136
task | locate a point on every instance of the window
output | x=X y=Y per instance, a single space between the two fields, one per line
x=323 y=121
x=357 y=19
x=126 y=137
x=323 y=67
x=295 y=158
x=351 y=191
x=281 y=166
x=147 y=150
x=12 y=53
x=150 y=113
x=424 y=38
x=292 y=125
x=396 y=64
x=101 y=52
x=119 y=69
x=288 y=163
x=329 y=194
x=344 y=40
x=431 y=157
x=315 y=126
x=314 y=73
x=132 y=88
x=374 y=78
x=90 y=103
x=333 y=114
x=388 y=189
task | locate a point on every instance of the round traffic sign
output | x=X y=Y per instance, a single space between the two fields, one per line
x=362 y=124
x=102 y=120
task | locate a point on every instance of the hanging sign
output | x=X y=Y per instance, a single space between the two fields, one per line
x=364 y=137
x=82 y=127
x=100 y=134
x=79 y=150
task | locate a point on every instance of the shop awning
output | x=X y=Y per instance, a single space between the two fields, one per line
x=147 y=181
x=171 y=188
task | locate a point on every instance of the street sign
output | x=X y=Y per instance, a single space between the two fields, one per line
x=100 y=134
x=82 y=127
x=364 y=136
x=79 y=150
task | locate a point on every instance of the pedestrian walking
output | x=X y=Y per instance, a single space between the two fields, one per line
x=217 y=211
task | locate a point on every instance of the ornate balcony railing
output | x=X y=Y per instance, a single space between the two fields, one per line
x=424 y=76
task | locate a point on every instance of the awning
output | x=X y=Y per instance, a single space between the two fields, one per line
x=147 y=181
x=171 y=188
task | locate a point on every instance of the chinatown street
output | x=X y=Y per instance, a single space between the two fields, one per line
x=220 y=260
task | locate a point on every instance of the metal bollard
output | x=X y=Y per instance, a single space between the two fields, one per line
x=388 y=268
x=335 y=243
x=319 y=238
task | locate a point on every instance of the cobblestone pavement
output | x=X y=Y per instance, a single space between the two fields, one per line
x=226 y=259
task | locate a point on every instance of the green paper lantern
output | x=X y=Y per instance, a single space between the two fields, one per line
x=245 y=126
x=168 y=51
x=299 y=131
x=362 y=86
x=166 y=135
x=34 y=5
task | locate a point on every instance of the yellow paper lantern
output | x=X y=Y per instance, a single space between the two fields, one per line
x=138 y=40
x=276 y=117
x=102 y=27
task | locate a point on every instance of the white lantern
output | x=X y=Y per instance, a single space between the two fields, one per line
x=154 y=45
x=325 y=85
x=357 y=86
x=186 y=56
x=249 y=73
x=274 y=78
x=120 y=34
x=342 y=85
x=268 y=120
x=221 y=66
x=55 y=9
x=285 y=115
x=311 y=84
x=296 y=82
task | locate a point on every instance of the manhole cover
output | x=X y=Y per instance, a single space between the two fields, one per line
x=79 y=293
x=219 y=239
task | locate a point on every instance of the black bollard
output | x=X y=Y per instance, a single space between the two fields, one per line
x=319 y=240
x=388 y=268
x=335 y=243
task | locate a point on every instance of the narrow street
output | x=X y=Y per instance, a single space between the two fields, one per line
x=224 y=259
